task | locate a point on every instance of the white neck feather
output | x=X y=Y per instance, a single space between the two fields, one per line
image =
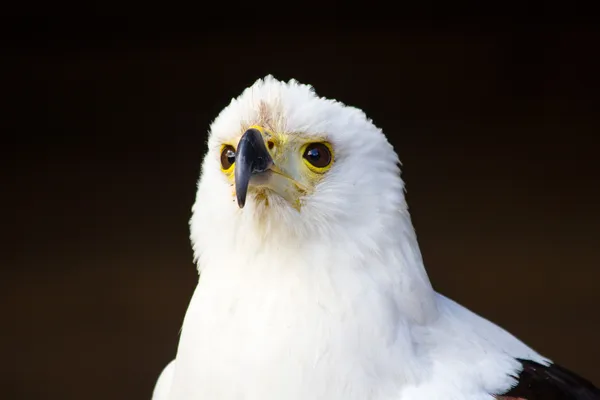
x=288 y=312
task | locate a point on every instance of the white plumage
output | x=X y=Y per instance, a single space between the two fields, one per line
x=330 y=301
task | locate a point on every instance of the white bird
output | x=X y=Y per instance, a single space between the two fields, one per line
x=312 y=285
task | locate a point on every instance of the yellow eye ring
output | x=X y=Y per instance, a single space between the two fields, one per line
x=318 y=156
x=227 y=158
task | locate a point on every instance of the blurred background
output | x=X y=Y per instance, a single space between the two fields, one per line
x=496 y=123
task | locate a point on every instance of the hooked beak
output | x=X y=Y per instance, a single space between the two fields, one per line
x=251 y=159
x=254 y=167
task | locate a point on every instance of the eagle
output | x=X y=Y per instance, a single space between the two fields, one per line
x=311 y=281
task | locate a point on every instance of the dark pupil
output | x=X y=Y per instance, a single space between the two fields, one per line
x=314 y=154
x=230 y=154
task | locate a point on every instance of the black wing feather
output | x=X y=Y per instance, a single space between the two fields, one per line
x=550 y=382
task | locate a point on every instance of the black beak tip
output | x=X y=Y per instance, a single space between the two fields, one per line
x=241 y=199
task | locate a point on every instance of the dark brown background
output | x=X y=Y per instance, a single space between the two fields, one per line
x=496 y=124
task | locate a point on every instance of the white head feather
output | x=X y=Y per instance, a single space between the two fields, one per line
x=358 y=209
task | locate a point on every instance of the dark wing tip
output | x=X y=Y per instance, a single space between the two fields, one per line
x=549 y=382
